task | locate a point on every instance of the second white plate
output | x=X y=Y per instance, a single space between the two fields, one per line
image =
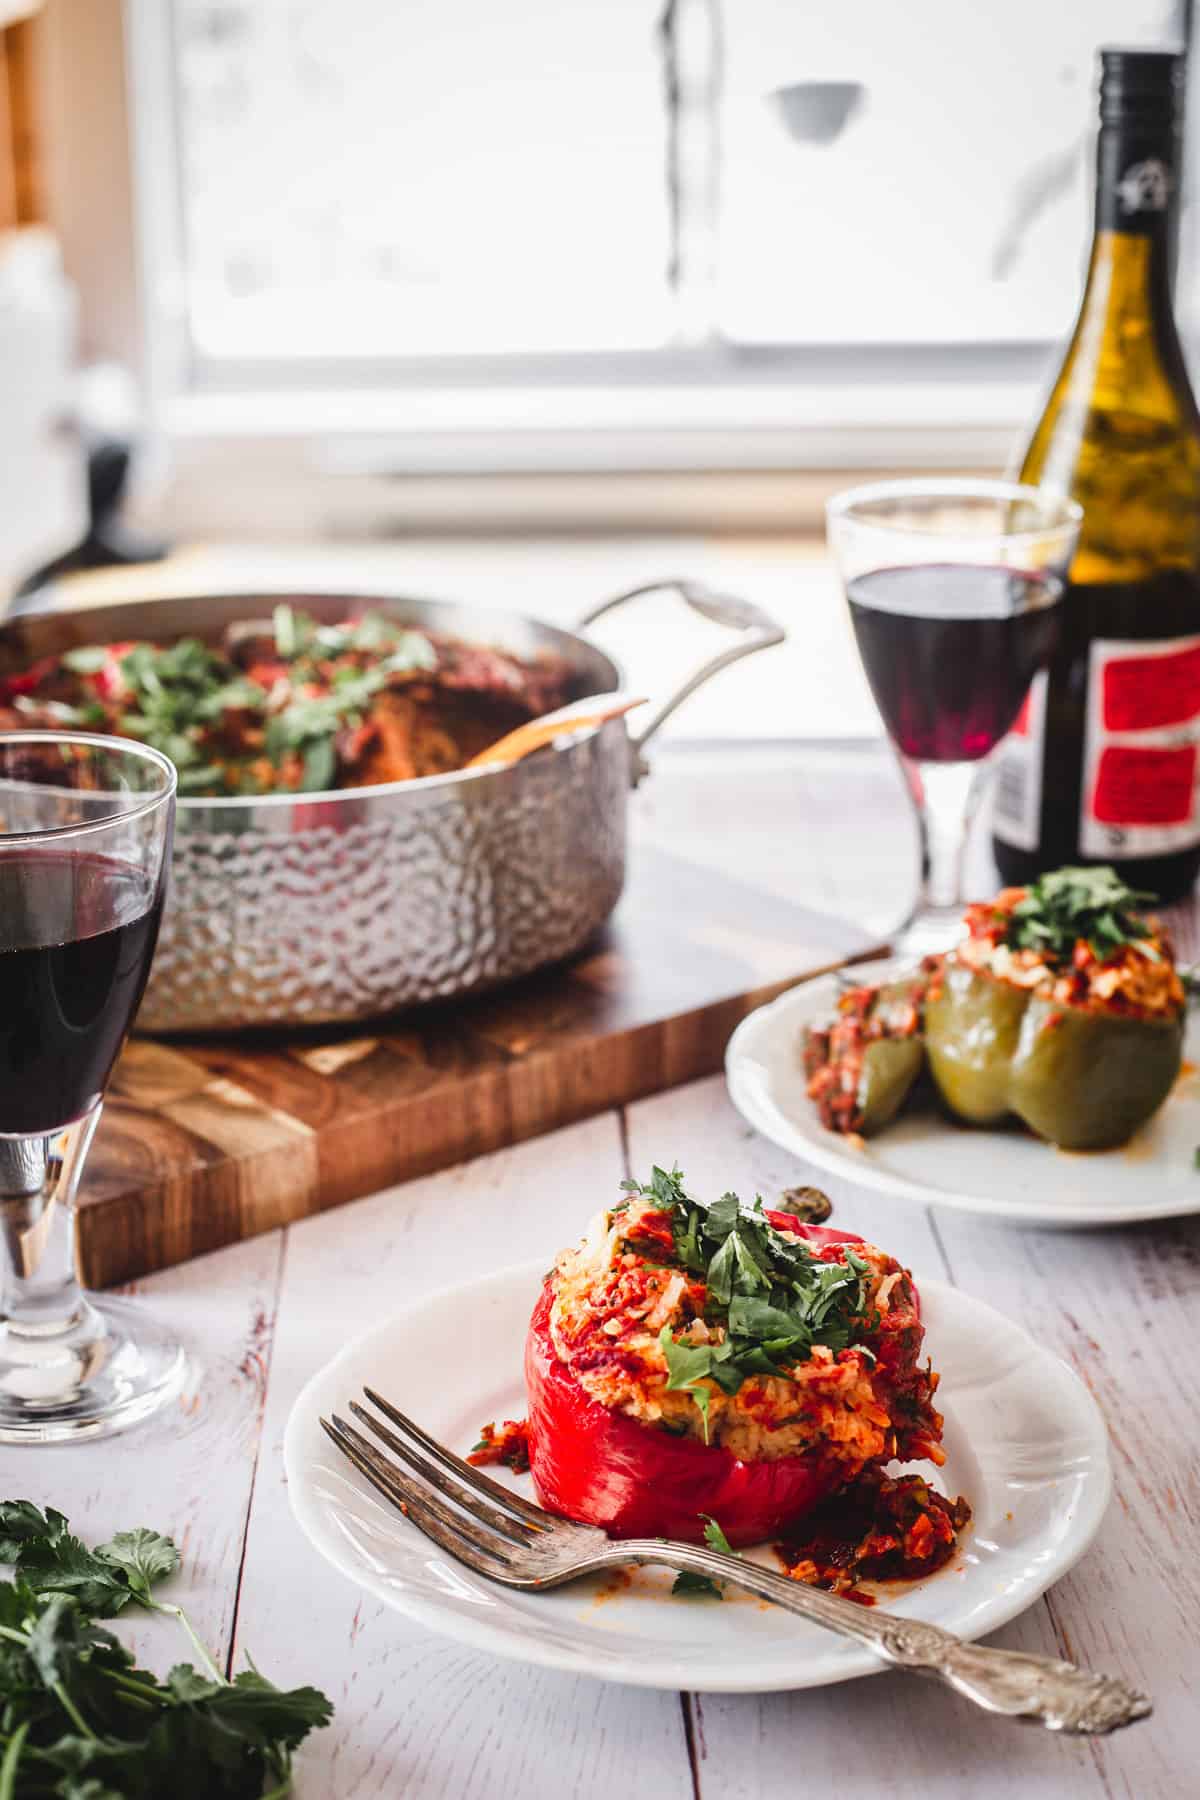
x=927 y=1158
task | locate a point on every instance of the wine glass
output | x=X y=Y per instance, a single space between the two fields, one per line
x=85 y=839
x=954 y=590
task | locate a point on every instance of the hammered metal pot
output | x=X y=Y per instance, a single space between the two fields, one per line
x=288 y=911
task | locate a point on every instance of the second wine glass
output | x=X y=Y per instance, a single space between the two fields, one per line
x=954 y=590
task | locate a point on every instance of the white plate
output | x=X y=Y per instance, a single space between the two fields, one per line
x=1024 y=1439
x=928 y=1158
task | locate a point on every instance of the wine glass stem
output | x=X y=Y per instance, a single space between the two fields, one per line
x=943 y=796
x=39 y=1177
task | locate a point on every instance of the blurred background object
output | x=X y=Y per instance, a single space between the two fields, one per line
x=41 y=499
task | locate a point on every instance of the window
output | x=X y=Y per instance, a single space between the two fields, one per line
x=756 y=216
x=954 y=203
x=435 y=177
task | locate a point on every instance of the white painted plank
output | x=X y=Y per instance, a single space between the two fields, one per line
x=1122 y=1307
x=188 y=1471
x=416 y=1715
x=889 y=1737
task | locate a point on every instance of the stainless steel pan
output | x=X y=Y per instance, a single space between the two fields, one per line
x=303 y=911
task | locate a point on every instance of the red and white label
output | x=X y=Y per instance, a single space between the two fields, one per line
x=1017 y=808
x=1141 y=771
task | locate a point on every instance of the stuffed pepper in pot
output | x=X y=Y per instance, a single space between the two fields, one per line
x=692 y=1360
x=1062 y=1006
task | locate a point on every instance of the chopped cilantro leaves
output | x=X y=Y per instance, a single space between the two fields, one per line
x=689 y=1364
x=177 y=698
x=171 y=695
x=714 y=1537
x=775 y=1299
x=88 y=659
x=1069 y=904
x=688 y=1582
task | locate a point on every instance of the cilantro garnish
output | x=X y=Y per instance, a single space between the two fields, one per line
x=79 y=1720
x=687 y=1581
x=688 y=1365
x=293 y=631
x=299 y=639
x=775 y=1299
x=174 y=699
x=173 y=695
x=1069 y=904
x=87 y=659
x=310 y=723
x=714 y=1537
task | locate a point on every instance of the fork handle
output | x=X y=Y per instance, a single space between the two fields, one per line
x=1057 y=1694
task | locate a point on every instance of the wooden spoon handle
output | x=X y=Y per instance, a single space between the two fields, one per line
x=593 y=709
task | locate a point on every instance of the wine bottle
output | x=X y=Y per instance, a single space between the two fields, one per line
x=1103 y=765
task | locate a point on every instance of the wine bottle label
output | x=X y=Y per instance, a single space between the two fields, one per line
x=1017 y=803
x=1141 y=792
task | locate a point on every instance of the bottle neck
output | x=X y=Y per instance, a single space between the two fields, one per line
x=1137 y=176
x=1120 y=430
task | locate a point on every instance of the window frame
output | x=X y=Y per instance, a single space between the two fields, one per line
x=714 y=406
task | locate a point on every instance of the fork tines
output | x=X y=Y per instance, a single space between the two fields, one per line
x=493 y=1528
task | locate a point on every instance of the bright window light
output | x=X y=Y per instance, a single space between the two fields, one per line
x=366 y=179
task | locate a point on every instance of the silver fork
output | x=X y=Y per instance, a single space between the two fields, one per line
x=504 y=1536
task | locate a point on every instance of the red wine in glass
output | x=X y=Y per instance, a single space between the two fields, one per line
x=950 y=650
x=86 y=828
x=78 y=931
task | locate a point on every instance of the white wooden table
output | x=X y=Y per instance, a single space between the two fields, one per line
x=423 y=1718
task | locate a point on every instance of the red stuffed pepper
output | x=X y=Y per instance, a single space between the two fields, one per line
x=690 y=1362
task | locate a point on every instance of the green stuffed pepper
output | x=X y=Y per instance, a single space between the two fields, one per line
x=1062 y=1007
x=862 y=1066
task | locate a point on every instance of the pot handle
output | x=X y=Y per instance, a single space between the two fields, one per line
x=756 y=628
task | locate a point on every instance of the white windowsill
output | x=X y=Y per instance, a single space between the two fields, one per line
x=615 y=428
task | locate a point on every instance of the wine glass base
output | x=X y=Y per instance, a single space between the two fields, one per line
x=110 y=1370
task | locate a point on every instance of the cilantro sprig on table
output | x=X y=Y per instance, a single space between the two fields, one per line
x=775 y=1299
x=78 y=1720
x=1069 y=904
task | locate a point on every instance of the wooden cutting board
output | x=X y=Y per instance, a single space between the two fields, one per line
x=203 y=1143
